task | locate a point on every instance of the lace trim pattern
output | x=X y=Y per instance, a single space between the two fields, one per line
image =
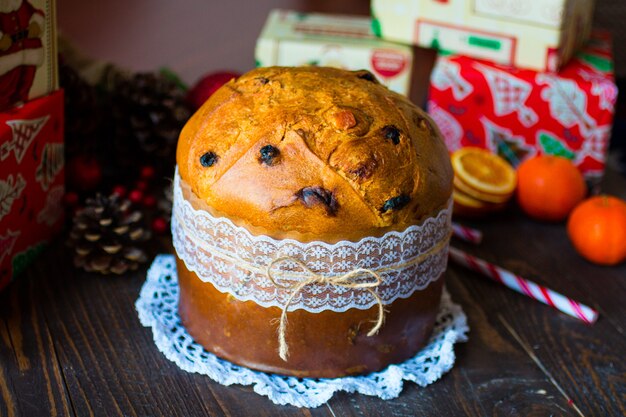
x=235 y=261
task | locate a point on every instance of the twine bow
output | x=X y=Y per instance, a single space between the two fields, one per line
x=347 y=280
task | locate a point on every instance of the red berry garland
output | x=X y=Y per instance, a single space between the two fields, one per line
x=159 y=225
x=84 y=173
x=119 y=190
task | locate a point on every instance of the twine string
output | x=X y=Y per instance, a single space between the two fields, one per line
x=347 y=280
x=183 y=224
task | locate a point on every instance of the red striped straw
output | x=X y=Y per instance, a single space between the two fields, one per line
x=524 y=286
x=467 y=233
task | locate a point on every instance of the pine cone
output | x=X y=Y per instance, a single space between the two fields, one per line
x=106 y=235
x=148 y=112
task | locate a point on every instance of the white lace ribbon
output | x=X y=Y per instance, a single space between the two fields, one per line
x=235 y=261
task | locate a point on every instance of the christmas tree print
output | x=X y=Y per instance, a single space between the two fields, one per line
x=595 y=145
x=447 y=74
x=607 y=93
x=7 y=242
x=591 y=76
x=502 y=142
x=23 y=259
x=551 y=145
x=597 y=62
x=53 y=210
x=23 y=134
x=567 y=102
x=449 y=127
x=434 y=44
x=601 y=87
x=52 y=160
x=377 y=28
x=10 y=190
x=509 y=94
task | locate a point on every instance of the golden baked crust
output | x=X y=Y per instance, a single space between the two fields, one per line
x=315 y=153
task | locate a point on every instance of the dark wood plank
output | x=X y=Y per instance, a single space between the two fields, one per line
x=110 y=362
x=71 y=344
x=492 y=374
x=113 y=366
x=505 y=380
x=31 y=379
x=586 y=361
x=8 y=396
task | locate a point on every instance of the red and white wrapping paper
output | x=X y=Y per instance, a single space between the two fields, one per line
x=31 y=181
x=519 y=113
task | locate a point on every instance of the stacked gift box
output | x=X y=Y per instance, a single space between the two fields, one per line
x=517 y=78
x=291 y=38
x=31 y=134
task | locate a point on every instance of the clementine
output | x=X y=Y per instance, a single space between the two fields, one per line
x=549 y=187
x=597 y=229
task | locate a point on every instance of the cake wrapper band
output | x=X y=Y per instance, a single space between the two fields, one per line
x=236 y=262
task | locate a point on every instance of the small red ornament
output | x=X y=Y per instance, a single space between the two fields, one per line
x=119 y=190
x=141 y=185
x=70 y=199
x=147 y=172
x=149 y=201
x=206 y=86
x=84 y=173
x=135 y=196
x=159 y=225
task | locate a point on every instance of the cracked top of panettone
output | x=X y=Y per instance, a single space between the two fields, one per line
x=315 y=153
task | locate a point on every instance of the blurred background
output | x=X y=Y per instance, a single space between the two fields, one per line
x=196 y=37
x=193 y=37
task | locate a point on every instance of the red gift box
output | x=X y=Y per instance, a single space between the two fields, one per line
x=519 y=113
x=31 y=181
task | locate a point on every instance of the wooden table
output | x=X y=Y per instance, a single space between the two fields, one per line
x=71 y=343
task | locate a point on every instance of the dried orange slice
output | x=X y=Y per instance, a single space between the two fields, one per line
x=465 y=200
x=486 y=197
x=484 y=171
x=467 y=206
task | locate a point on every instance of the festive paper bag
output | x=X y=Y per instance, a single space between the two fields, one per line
x=31 y=181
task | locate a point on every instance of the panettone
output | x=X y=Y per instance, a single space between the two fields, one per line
x=323 y=152
x=311 y=154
